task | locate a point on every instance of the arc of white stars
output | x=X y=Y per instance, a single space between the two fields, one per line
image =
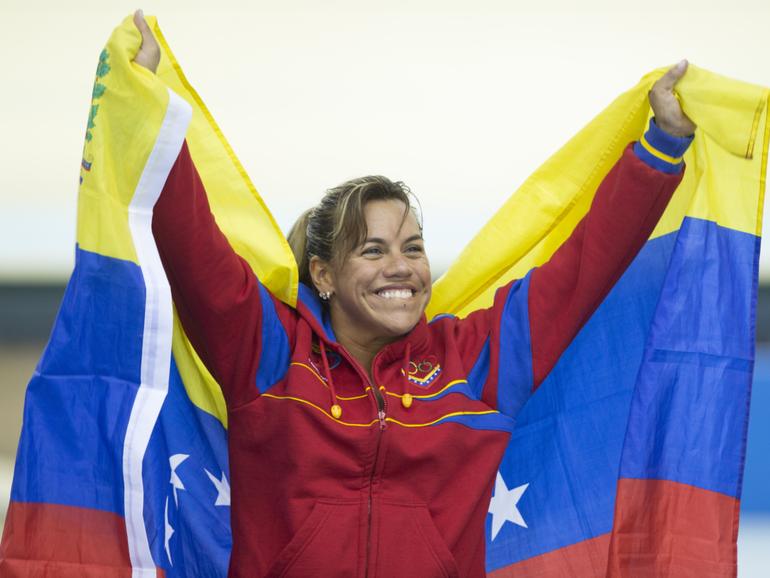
x=175 y=481
x=504 y=505
x=223 y=488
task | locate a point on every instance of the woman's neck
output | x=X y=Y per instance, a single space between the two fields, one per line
x=363 y=352
x=363 y=346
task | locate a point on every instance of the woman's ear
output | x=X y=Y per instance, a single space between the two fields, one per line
x=321 y=274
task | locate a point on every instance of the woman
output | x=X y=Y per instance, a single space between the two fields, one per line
x=363 y=440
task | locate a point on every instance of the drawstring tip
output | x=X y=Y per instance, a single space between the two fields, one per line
x=336 y=411
x=406 y=400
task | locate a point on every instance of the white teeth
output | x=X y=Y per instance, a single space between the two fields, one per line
x=396 y=293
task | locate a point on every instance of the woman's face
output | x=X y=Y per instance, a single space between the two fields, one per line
x=381 y=290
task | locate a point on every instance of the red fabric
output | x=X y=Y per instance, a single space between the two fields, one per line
x=315 y=496
x=587 y=559
x=48 y=540
x=669 y=529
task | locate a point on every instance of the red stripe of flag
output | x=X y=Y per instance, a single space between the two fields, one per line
x=665 y=528
x=49 y=540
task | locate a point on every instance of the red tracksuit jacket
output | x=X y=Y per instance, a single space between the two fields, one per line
x=403 y=490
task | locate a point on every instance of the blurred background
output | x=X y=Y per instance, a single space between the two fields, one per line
x=460 y=100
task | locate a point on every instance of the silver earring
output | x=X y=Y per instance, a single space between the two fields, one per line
x=325 y=295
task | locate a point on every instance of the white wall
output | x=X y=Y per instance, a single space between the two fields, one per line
x=462 y=100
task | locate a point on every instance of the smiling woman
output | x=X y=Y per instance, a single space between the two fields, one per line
x=359 y=422
x=362 y=248
x=355 y=426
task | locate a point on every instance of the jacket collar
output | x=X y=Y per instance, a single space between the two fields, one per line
x=309 y=306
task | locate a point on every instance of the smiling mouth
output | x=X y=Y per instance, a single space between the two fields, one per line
x=396 y=293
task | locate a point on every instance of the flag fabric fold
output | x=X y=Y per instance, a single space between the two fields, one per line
x=627 y=461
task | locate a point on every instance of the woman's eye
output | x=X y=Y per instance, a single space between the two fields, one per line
x=372 y=251
x=414 y=249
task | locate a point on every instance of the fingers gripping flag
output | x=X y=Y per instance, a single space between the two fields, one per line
x=626 y=462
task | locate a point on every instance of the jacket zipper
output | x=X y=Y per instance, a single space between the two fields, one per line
x=371 y=498
x=382 y=407
x=381 y=415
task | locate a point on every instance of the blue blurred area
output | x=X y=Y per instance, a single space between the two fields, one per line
x=756 y=481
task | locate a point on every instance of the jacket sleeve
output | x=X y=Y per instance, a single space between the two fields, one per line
x=228 y=315
x=534 y=319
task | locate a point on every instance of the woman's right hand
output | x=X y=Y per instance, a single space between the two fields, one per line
x=149 y=52
x=669 y=115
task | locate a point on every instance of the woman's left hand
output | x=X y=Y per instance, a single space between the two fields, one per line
x=669 y=115
x=149 y=52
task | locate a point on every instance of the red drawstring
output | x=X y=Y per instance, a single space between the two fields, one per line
x=407 y=355
x=336 y=409
x=406 y=398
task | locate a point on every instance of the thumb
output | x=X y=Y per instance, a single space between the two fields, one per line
x=148 y=55
x=141 y=24
x=673 y=75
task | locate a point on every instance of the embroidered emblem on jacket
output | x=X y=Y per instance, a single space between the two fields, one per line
x=423 y=372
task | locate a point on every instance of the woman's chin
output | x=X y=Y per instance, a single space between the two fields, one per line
x=398 y=326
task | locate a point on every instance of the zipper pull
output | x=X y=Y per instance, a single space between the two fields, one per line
x=381 y=415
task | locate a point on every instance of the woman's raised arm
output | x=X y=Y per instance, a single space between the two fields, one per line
x=226 y=312
x=566 y=290
x=533 y=320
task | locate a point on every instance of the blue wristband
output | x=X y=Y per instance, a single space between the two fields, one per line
x=661 y=150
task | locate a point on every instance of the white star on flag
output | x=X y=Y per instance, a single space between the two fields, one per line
x=223 y=489
x=175 y=480
x=169 y=531
x=503 y=505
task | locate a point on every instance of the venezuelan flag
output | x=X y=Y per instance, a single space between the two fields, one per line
x=626 y=461
x=122 y=464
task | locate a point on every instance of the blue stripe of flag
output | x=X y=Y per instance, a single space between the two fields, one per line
x=690 y=411
x=79 y=400
x=569 y=435
x=690 y=296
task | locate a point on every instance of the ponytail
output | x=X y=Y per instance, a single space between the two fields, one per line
x=297 y=238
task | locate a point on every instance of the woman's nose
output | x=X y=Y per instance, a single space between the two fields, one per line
x=397 y=266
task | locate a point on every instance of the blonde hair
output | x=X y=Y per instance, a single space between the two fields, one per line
x=337 y=225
